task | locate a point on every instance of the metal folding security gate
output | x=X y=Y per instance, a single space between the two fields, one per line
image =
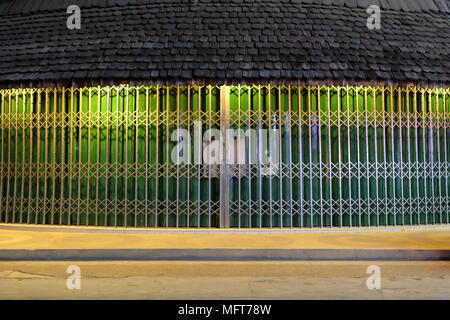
x=345 y=156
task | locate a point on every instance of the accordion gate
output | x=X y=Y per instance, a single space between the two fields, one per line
x=349 y=156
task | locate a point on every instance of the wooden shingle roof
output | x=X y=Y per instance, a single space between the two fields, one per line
x=224 y=41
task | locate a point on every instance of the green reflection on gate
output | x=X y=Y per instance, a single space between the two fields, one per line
x=349 y=156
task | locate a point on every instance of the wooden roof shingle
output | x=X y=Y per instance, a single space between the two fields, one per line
x=220 y=41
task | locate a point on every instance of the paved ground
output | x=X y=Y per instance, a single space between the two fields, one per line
x=40 y=237
x=225 y=280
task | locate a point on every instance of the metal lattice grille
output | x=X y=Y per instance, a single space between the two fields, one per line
x=101 y=156
x=348 y=156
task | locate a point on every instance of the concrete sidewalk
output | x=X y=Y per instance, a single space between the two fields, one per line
x=37 y=258
x=22 y=242
x=224 y=280
x=56 y=237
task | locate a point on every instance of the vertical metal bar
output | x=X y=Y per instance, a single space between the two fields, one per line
x=431 y=154
x=408 y=153
x=250 y=164
x=38 y=157
x=300 y=148
x=394 y=206
x=311 y=167
x=319 y=140
x=424 y=144
x=408 y=144
x=136 y=154
x=88 y=165
x=177 y=183
x=63 y=155
x=438 y=152
x=446 y=161
x=189 y=163
x=330 y=159
x=107 y=151
x=358 y=148
x=210 y=175
x=116 y=188
x=289 y=127
x=71 y=137
x=401 y=164
x=199 y=173
x=16 y=161
x=167 y=143
x=260 y=180
x=23 y=156
x=349 y=158
x=55 y=162
x=224 y=172
x=416 y=160
x=339 y=106
x=434 y=133
x=2 y=151
x=279 y=169
x=157 y=123
x=269 y=171
x=147 y=173
x=385 y=194
x=80 y=149
x=46 y=121
x=238 y=157
x=97 y=151
x=126 y=162
x=375 y=138
x=3 y=165
x=8 y=146
x=367 y=155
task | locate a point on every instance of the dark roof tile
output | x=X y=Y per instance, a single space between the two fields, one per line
x=286 y=40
